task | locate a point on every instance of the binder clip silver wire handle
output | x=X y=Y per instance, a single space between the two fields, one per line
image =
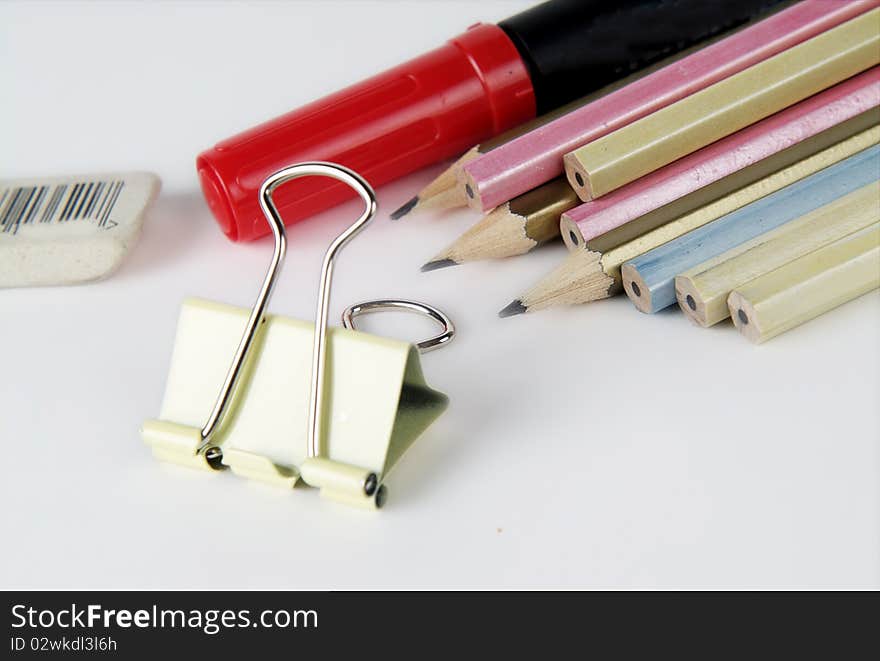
x=213 y=454
x=444 y=336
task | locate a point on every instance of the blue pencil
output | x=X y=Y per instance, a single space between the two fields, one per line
x=649 y=279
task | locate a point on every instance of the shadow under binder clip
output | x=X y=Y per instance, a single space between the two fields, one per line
x=366 y=397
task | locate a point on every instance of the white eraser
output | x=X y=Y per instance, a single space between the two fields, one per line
x=67 y=230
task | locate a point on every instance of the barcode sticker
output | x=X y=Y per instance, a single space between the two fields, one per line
x=61 y=230
x=84 y=200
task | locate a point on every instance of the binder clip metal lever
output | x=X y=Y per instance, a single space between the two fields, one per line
x=366 y=397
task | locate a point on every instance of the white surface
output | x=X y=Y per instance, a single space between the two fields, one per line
x=583 y=447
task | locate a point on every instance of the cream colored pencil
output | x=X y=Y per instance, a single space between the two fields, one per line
x=808 y=286
x=703 y=290
x=628 y=153
x=593 y=273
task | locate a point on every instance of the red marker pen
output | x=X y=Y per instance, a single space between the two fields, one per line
x=436 y=106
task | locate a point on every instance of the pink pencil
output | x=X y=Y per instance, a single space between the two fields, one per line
x=536 y=157
x=724 y=166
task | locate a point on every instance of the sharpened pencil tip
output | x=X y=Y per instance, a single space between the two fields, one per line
x=515 y=307
x=438 y=264
x=405 y=209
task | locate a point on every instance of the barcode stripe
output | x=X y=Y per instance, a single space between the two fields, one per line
x=44 y=207
x=112 y=203
x=38 y=201
x=12 y=203
x=12 y=209
x=22 y=208
x=85 y=196
x=79 y=190
x=110 y=193
x=67 y=205
x=104 y=201
x=59 y=203
x=94 y=199
x=53 y=203
x=74 y=213
x=15 y=209
x=26 y=211
x=71 y=196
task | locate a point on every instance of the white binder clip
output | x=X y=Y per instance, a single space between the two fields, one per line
x=366 y=397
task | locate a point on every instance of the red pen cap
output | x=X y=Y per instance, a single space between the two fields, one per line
x=433 y=107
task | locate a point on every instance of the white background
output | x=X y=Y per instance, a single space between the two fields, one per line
x=583 y=447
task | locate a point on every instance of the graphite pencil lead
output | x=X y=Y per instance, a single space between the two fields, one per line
x=515 y=307
x=438 y=264
x=405 y=209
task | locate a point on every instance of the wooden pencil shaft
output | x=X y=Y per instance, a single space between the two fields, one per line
x=578 y=279
x=542 y=207
x=572 y=46
x=595 y=274
x=552 y=115
x=809 y=286
x=447 y=178
x=760 y=171
x=616 y=256
x=514 y=228
x=729 y=164
x=677 y=130
x=445 y=192
x=649 y=278
x=503 y=138
x=511 y=134
x=536 y=157
x=702 y=291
